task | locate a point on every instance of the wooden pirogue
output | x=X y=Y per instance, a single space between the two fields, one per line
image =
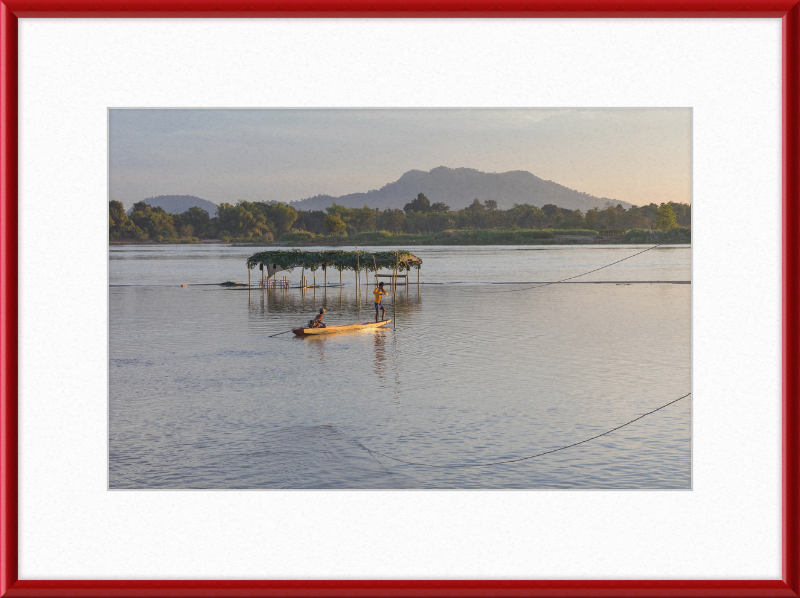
x=341 y=328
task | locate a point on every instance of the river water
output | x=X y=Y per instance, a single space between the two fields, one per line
x=470 y=372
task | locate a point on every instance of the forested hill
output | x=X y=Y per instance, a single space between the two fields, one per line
x=178 y=204
x=458 y=187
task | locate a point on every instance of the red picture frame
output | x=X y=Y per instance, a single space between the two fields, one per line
x=10 y=10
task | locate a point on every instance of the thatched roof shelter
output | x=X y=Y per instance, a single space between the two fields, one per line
x=357 y=261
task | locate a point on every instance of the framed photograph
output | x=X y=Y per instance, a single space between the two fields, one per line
x=400 y=299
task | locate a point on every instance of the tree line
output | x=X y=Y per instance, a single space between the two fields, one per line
x=269 y=221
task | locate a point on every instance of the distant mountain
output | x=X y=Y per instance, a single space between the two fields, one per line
x=458 y=187
x=178 y=204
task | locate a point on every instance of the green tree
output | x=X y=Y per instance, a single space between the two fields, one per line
x=200 y=222
x=312 y=221
x=420 y=204
x=391 y=220
x=245 y=219
x=591 y=218
x=683 y=213
x=550 y=210
x=362 y=220
x=334 y=225
x=665 y=218
x=492 y=217
x=524 y=215
x=336 y=210
x=155 y=223
x=440 y=206
x=280 y=215
x=574 y=219
x=116 y=211
x=474 y=213
x=120 y=226
x=609 y=216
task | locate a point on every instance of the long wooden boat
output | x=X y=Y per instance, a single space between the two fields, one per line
x=341 y=328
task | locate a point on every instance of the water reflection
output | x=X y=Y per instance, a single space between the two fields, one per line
x=380 y=355
x=296 y=306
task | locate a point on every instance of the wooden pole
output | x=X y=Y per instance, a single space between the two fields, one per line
x=394 y=277
x=394 y=298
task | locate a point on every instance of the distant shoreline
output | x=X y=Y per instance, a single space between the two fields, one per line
x=455 y=238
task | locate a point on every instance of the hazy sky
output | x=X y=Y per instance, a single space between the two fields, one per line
x=638 y=156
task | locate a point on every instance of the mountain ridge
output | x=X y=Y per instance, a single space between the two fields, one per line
x=178 y=204
x=458 y=187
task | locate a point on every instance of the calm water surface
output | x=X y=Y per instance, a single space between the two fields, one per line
x=473 y=372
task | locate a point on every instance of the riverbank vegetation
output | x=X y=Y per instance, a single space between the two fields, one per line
x=419 y=222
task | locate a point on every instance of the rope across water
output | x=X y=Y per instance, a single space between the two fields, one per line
x=371 y=451
x=419 y=464
x=596 y=269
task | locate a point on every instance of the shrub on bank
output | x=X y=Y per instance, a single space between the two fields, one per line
x=293 y=237
x=578 y=232
x=677 y=235
x=249 y=240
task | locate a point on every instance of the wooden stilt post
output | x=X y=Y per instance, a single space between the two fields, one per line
x=394 y=293
x=406 y=289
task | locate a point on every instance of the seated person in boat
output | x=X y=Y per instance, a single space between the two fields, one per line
x=379 y=293
x=317 y=322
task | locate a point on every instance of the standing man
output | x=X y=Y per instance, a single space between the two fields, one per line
x=379 y=293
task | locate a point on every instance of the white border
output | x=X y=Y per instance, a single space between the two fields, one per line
x=728 y=71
